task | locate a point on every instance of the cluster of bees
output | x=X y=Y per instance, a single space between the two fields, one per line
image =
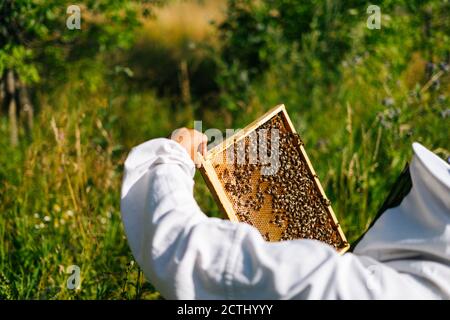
x=297 y=206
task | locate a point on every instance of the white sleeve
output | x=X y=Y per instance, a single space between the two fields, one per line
x=187 y=255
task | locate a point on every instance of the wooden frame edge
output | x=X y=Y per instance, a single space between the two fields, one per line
x=213 y=182
x=245 y=132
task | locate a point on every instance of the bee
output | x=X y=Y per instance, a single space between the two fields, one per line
x=325 y=202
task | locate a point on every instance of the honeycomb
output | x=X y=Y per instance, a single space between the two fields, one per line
x=283 y=202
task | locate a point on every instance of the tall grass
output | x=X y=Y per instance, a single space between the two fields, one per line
x=61 y=193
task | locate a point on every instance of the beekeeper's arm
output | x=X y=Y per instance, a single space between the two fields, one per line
x=187 y=255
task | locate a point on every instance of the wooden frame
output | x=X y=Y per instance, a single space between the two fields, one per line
x=214 y=184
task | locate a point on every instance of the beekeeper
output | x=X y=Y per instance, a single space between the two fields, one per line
x=186 y=255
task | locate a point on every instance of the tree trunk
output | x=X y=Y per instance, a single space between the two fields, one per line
x=2 y=93
x=25 y=106
x=12 y=108
x=184 y=83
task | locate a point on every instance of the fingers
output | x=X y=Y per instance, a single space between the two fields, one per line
x=194 y=142
x=198 y=161
x=204 y=145
x=204 y=148
x=201 y=142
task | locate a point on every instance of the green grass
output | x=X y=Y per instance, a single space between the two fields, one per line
x=60 y=206
x=60 y=193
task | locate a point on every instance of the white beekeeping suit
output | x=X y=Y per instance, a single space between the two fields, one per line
x=186 y=255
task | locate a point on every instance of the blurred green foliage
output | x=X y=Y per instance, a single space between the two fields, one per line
x=358 y=97
x=36 y=43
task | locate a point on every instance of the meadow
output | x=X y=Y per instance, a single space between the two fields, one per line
x=358 y=97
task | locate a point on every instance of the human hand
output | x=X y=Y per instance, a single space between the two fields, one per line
x=193 y=141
